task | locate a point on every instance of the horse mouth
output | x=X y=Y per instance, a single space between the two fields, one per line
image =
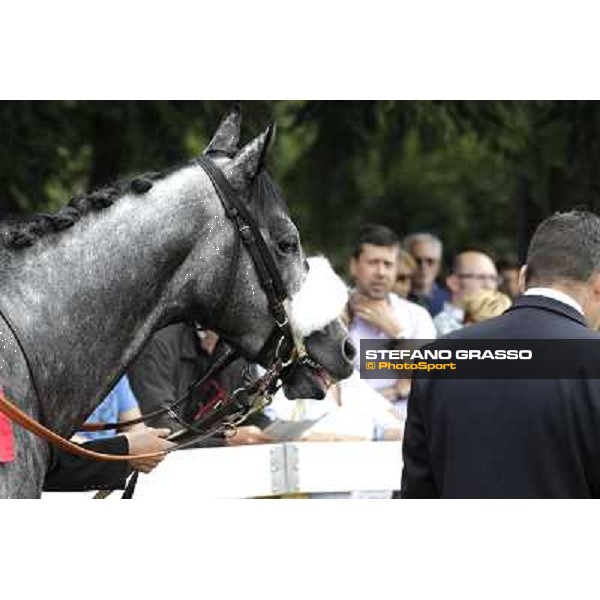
x=324 y=378
x=307 y=380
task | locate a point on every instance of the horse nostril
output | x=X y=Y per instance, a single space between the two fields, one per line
x=348 y=350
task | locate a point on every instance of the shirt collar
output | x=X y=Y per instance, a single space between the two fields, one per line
x=555 y=295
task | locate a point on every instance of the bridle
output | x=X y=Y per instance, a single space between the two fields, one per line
x=283 y=349
x=281 y=342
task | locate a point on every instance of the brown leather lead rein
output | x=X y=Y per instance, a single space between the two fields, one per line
x=25 y=421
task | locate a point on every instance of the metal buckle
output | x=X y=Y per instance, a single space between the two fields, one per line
x=246 y=233
x=282 y=339
x=171 y=413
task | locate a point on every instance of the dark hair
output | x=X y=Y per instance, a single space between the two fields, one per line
x=565 y=246
x=508 y=261
x=377 y=235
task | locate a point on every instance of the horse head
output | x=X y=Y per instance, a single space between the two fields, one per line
x=243 y=314
x=211 y=240
x=82 y=289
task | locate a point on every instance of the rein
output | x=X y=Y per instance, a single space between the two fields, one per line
x=216 y=421
x=283 y=344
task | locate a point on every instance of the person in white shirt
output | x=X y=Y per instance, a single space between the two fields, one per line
x=374 y=312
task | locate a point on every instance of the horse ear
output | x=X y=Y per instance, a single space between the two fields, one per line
x=251 y=158
x=226 y=139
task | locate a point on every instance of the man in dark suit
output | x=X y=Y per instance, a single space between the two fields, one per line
x=509 y=438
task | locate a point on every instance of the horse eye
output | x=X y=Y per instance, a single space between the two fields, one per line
x=288 y=246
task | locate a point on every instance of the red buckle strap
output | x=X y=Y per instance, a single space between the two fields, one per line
x=7 y=439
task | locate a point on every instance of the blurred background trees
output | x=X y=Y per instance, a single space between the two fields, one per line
x=478 y=174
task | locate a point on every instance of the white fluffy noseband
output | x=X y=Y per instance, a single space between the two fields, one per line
x=321 y=298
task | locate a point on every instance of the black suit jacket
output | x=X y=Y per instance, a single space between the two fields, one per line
x=537 y=438
x=72 y=473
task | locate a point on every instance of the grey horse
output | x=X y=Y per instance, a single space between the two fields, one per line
x=81 y=290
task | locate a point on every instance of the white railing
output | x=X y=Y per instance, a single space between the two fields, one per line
x=271 y=470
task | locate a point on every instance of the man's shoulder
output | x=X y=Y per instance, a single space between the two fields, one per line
x=439 y=292
x=172 y=333
x=168 y=341
x=529 y=323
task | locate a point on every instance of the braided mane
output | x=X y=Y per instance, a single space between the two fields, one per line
x=23 y=233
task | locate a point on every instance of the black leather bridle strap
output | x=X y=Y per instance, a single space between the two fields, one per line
x=252 y=237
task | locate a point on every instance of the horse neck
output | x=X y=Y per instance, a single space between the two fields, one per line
x=84 y=303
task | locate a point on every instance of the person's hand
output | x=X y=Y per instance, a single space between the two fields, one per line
x=249 y=434
x=377 y=313
x=147 y=441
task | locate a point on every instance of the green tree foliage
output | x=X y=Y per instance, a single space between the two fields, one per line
x=478 y=174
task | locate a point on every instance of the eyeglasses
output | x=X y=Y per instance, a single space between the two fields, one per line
x=403 y=277
x=425 y=261
x=479 y=277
